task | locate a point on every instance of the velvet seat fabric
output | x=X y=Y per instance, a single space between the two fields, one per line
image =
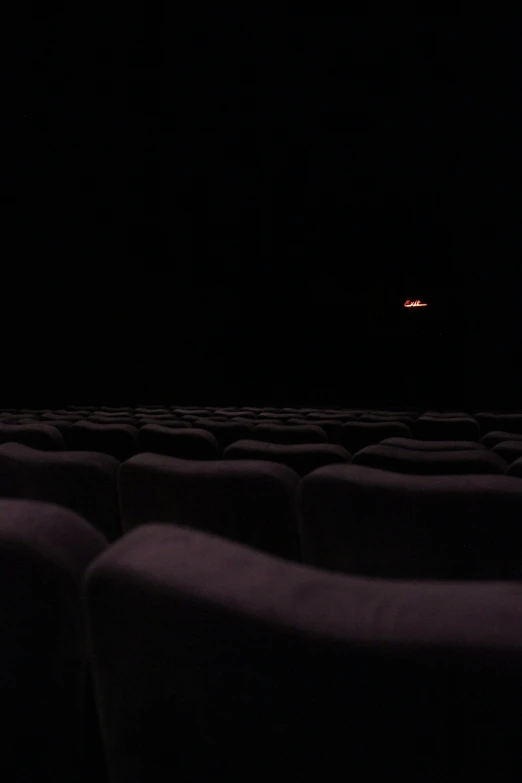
x=450 y=462
x=209 y=656
x=302 y=458
x=246 y=500
x=49 y=726
x=377 y=523
x=85 y=482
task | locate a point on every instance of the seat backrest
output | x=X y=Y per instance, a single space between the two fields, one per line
x=118 y=440
x=354 y=436
x=505 y=422
x=38 y=436
x=284 y=433
x=210 y=657
x=225 y=432
x=442 y=428
x=182 y=443
x=49 y=722
x=422 y=462
x=492 y=438
x=515 y=469
x=301 y=457
x=368 y=521
x=248 y=501
x=433 y=445
x=508 y=450
x=85 y=482
x=332 y=427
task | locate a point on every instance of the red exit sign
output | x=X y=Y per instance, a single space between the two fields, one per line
x=416 y=303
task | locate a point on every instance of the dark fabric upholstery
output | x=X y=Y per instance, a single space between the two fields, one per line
x=433 y=445
x=447 y=414
x=190 y=411
x=112 y=420
x=39 y=436
x=118 y=440
x=225 y=432
x=438 y=428
x=84 y=482
x=215 y=662
x=509 y=450
x=62 y=425
x=408 y=420
x=355 y=436
x=49 y=726
x=183 y=443
x=492 y=438
x=280 y=433
x=339 y=416
x=52 y=417
x=247 y=501
x=275 y=416
x=301 y=457
x=332 y=427
x=374 y=522
x=163 y=422
x=515 y=469
x=423 y=462
x=505 y=422
x=146 y=410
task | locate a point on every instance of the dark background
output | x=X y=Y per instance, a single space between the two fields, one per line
x=234 y=208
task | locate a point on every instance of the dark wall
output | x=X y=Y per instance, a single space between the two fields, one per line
x=238 y=206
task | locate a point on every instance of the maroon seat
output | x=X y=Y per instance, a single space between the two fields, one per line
x=248 y=501
x=301 y=457
x=82 y=481
x=435 y=462
x=182 y=443
x=212 y=659
x=378 y=523
x=38 y=436
x=118 y=440
x=49 y=723
x=280 y=433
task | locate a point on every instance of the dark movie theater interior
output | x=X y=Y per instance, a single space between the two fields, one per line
x=261 y=396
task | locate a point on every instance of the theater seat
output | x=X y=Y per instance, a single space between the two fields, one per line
x=371 y=417
x=439 y=428
x=354 y=436
x=301 y=457
x=332 y=427
x=372 y=522
x=493 y=438
x=82 y=481
x=49 y=724
x=225 y=432
x=505 y=422
x=211 y=659
x=38 y=436
x=163 y=421
x=400 y=460
x=515 y=469
x=118 y=440
x=509 y=450
x=182 y=443
x=112 y=420
x=248 y=501
x=433 y=445
x=280 y=433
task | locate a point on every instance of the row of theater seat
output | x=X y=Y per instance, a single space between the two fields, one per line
x=349 y=517
x=331 y=439
x=172 y=654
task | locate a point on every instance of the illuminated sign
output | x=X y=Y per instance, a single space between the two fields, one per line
x=417 y=303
